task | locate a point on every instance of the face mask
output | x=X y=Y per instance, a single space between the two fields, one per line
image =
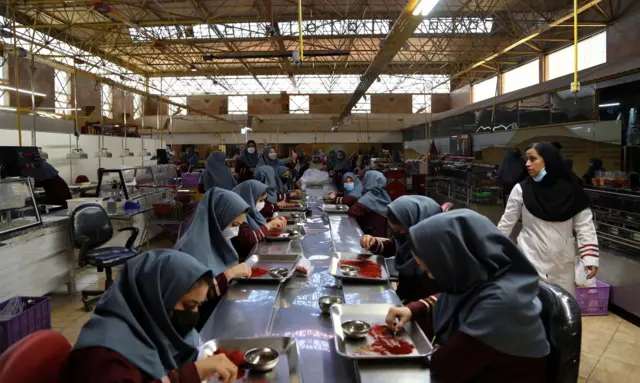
x=184 y=321
x=349 y=187
x=273 y=156
x=251 y=150
x=231 y=232
x=260 y=206
x=540 y=175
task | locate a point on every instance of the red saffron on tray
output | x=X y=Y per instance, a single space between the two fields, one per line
x=236 y=357
x=257 y=272
x=386 y=343
x=368 y=269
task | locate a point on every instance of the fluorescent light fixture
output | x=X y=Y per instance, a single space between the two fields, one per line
x=77 y=154
x=13 y=88
x=424 y=7
x=126 y=153
x=144 y=153
x=609 y=105
x=245 y=130
x=103 y=153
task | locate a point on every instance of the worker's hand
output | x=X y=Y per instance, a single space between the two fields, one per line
x=332 y=195
x=367 y=242
x=282 y=203
x=592 y=270
x=240 y=270
x=296 y=193
x=217 y=366
x=402 y=314
x=277 y=223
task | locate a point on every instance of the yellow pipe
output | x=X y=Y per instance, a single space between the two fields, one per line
x=16 y=64
x=300 y=29
x=575 y=88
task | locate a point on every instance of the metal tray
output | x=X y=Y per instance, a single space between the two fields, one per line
x=333 y=209
x=379 y=259
x=269 y=261
x=373 y=314
x=287 y=370
x=286 y=237
x=300 y=207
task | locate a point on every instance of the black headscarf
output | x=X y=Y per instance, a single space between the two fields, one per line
x=513 y=168
x=559 y=196
x=342 y=165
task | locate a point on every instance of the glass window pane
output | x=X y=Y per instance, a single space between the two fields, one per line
x=592 y=51
x=421 y=103
x=137 y=106
x=521 y=77
x=107 y=100
x=484 y=90
x=176 y=110
x=62 y=92
x=298 y=104
x=238 y=104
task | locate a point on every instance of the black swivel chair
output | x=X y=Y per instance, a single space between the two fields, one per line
x=90 y=227
x=562 y=321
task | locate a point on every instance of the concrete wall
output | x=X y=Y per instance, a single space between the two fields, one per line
x=327 y=104
x=42 y=81
x=460 y=97
x=88 y=98
x=391 y=103
x=623 y=36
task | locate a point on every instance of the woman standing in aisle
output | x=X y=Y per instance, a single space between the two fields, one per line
x=404 y=213
x=552 y=205
x=371 y=209
x=256 y=228
x=488 y=312
x=216 y=174
x=511 y=172
x=208 y=239
x=247 y=162
x=142 y=330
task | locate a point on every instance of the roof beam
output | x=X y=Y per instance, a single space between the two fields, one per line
x=276 y=39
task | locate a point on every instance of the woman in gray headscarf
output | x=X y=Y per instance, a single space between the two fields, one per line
x=256 y=228
x=142 y=330
x=404 y=213
x=216 y=173
x=488 y=314
x=216 y=221
x=370 y=210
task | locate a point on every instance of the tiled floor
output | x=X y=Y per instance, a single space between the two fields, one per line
x=610 y=345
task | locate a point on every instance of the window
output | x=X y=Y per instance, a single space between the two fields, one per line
x=62 y=92
x=484 y=90
x=238 y=105
x=137 y=106
x=592 y=51
x=521 y=77
x=363 y=105
x=176 y=110
x=421 y=103
x=298 y=104
x=107 y=101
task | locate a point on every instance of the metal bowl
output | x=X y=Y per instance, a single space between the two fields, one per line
x=349 y=270
x=261 y=359
x=327 y=301
x=279 y=272
x=295 y=215
x=356 y=328
x=342 y=207
x=293 y=232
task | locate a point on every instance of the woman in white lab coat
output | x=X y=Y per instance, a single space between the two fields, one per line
x=553 y=206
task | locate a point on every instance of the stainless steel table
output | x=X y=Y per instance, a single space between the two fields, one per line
x=291 y=309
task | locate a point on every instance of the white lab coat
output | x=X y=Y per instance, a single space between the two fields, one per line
x=551 y=246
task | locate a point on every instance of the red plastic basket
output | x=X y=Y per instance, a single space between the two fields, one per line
x=594 y=300
x=35 y=316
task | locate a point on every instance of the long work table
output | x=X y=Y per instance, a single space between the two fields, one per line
x=290 y=309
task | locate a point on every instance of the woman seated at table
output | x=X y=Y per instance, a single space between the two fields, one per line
x=256 y=228
x=216 y=174
x=404 y=213
x=142 y=330
x=371 y=209
x=341 y=166
x=488 y=313
x=352 y=190
x=246 y=162
x=276 y=194
x=208 y=239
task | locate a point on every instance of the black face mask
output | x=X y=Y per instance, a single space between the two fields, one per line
x=184 y=321
x=400 y=237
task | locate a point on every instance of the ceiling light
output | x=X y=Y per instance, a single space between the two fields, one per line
x=126 y=153
x=77 y=154
x=13 y=88
x=103 y=153
x=610 y=105
x=144 y=153
x=424 y=7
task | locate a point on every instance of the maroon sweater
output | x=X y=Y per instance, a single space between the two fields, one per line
x=482 y=363
x=243 y=171
x=370 y=222
x=247 y=238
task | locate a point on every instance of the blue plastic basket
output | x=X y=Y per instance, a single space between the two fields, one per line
x=35 y=316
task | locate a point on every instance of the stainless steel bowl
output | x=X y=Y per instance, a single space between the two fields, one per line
x=295 y=215
x=342 y=207
x=279 y=272
x=327 y=301
x=356 y=328
x=293 y=232
x=349 y=270
x=261 y=359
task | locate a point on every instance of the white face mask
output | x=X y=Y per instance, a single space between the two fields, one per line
x=273 y=156
x=231 y=232
x=251 y=150
x=260 y=206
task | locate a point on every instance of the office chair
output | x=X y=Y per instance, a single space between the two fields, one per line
x=38 y=357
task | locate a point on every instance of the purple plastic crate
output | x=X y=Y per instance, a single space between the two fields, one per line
x=594 y=300
x=35 y=316
x=190 y=180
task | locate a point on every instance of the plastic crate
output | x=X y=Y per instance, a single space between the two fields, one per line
x=35 y=316
x=594 y=300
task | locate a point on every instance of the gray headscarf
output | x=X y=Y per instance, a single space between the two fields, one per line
x=265 y=160
x=410 y=210
x=250 y=191
x=132 y=317
x=489 y=288
x=204 y=239
x=375 y=197
x=267 y=176
x=357 y=188
x=216 y=173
